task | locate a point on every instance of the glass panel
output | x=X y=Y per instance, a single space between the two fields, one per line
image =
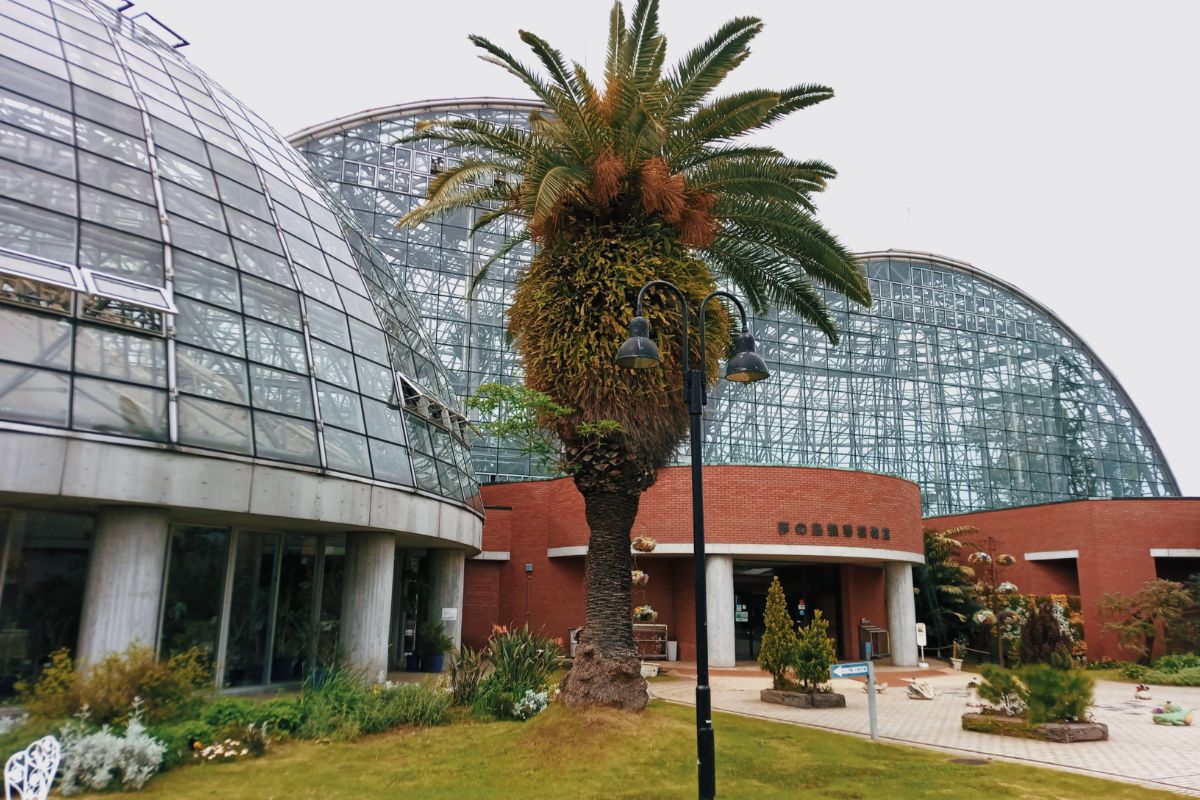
x=120 y=409
x=328 y=324
x=220 y=426
x=391 y=464
x=276 y=346
x=209 y=326
x=383 y=422
x=334 y=365
x=195 y=588
x=115 y=354
x=285 y=438
x=347 y=452
x=297 y=628
x=41 y=597
x=281 y=391
x=35 y=339
x=205 y=280
x=271 y=302
x=117 y=253
x=34 y=395
x=250 y=612
x=211 y=374
x=38 y=232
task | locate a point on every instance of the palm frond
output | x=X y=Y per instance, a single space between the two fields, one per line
x=501 y=252
x=705 y=66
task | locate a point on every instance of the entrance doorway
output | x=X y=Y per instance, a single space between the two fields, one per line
x=808 y=587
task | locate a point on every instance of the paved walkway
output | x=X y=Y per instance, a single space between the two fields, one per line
x=1138 y=751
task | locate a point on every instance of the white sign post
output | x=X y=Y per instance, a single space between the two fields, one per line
x=852 y=668
x=921 y=643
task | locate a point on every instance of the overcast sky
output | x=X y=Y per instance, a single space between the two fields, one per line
x=1054 y=145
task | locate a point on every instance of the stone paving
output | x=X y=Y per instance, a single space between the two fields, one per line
x=1138 y=751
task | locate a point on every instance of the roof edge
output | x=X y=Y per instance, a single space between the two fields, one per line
x=370 y=115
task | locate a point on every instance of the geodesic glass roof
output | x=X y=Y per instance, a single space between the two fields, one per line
x=952 y=379
x=172 y=270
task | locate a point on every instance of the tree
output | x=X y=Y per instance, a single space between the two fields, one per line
x=815 y=654
x=1158 y=610
x=947 y=598
x=777 y=651
x=1043 y=639
x=636 y=177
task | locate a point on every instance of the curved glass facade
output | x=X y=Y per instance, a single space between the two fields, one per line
x=952 y=378
x=171 y=270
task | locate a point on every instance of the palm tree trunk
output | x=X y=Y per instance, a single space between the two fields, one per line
x=607 y=669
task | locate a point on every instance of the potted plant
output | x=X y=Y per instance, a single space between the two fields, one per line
x=433 y=644
x=957 y=648
x=639 y=577
x=644 y=614
x=643 y=544
x=798 y=661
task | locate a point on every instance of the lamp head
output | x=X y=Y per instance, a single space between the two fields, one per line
x=639 y=350
x=746 y=365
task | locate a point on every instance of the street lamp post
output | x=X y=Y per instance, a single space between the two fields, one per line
x=639 y=352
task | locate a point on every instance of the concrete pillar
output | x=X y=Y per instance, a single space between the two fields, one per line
x=718 y=580
x=123 y=592
x=370 y=567
x=901 y=612
x=446 y=569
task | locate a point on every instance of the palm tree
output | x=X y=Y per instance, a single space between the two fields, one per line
x=638 y=178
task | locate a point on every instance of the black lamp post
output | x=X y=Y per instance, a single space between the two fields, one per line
x=640 y=352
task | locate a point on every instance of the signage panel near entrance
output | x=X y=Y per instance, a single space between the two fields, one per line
x=834 y=530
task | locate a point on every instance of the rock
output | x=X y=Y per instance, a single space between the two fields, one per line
x=803 y=699
x=1064 y=732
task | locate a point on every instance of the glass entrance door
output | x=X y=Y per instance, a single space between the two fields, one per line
x=806 y=587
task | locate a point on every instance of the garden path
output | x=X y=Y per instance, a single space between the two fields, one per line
x=1137 y=751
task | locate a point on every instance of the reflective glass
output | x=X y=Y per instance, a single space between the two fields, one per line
x=119 y=408
x=203 y=423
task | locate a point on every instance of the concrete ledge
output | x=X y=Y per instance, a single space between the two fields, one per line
x=1175 y=552
x=62 y=469
x=785 y=552
x=493 y=555
x=1051 y=555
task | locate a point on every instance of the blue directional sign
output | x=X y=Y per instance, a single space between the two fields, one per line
x=850 y=669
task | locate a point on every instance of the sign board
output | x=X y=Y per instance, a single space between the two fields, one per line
x=449 y=615
x=741 y=616
x=801 y=607
x=850 y=669
x=920 y=634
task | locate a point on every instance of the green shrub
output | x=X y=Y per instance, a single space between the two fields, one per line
x=1134 y=672
x=777 y=652
x=173 y=689
x=180 y=739
x=229 y=712
x=343 y=706
x=1057 y=695
x=1177 y=662
x=1003 y=689
x=1043 y=640
x=1184 y=677
x=521 y=661
x=814 y=654
x=282 y=715
x=406 y=704
x=467 y=668
x=1105 y=663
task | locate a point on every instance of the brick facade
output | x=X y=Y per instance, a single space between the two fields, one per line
x=746 y=509
x=1114 y=539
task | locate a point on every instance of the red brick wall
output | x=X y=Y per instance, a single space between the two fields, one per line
x=862 y=596
x=481 y=598
x=1113 y=538
x=743 y=505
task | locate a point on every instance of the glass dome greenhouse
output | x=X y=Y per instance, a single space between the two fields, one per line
x=173 y=272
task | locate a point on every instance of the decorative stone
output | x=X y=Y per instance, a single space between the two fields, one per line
x=1063 y=732
x=803 y=699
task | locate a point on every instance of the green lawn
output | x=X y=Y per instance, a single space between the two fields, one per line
x=566 y=753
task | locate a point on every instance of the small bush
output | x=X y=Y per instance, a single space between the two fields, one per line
x=282 y=715
x=229 y=712
x=343 y=706
x=522 y=661
x=101 y=760
x=1177 y=662
x=1044 y=639
x=1104 y=663
x=1003 y=690
x=179 y=739
x=170 y=690
x=814 y=654
x=1057 y=695
x=531 y=704
x=1134 y=672
x=778 y=649
x=1184 y=677
x=467 y=668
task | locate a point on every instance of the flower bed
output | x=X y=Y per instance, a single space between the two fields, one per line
x=1064 y=732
